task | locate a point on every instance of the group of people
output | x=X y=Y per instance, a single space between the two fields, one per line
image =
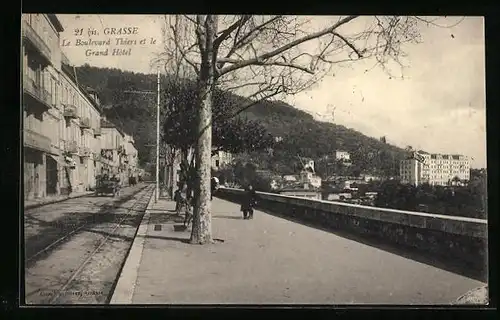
x=132 y=181
x=184 y=199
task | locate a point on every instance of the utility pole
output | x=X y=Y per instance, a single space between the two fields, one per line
x=158 y=140
x=157 y=129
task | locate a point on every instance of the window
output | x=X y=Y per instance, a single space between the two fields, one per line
x=62 y=133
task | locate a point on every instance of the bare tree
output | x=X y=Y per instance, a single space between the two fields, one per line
x=262 y=57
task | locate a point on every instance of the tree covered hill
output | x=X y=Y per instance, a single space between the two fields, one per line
x=301 y=134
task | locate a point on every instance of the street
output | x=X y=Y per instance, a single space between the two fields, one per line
x=74 y=249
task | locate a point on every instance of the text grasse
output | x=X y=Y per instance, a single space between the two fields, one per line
x=115 y=42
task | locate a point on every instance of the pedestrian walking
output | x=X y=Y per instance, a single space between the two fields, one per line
x=249 y=202
x=178 y=201
x=187 y=202
x=214 y=185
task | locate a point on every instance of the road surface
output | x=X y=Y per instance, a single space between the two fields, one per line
x=74 y=249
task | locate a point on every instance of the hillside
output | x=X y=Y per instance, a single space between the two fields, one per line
x=302 y=135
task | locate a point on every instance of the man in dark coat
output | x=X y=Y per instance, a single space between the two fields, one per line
x=249 y=202
x=188 y=200
x=214 y=185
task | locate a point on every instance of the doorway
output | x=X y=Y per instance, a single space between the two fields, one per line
x=52 y=176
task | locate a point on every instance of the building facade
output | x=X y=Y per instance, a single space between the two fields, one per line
x=435 y=169
x=110 y=141
x=80 y=132
x=342 y=155
x=132 y=156
x=62 y=136
x=41 y=111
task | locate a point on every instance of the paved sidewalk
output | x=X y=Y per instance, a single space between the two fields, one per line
x=269 y=260
x=33 y=203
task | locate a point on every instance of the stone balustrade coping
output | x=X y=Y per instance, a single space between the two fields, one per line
x=472 y=227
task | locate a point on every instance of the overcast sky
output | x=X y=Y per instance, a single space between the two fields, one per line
x=438 y=106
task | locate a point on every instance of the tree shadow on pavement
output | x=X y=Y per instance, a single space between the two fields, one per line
x=161 y=211
x=183 y=240
x=165 y=218
x=51 y=231
x=407 y=252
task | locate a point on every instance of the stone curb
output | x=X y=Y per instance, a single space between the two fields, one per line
x=125 y=286
x=38 y=205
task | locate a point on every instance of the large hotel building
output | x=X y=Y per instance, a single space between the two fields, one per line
x=435 y=169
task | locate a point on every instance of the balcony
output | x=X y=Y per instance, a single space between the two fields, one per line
x=70 y=111
x=35 y=140
x=85 y=152
x=97 y=132
x=35 y=94
x=85 y=123
x=35 y=43
x=71 y=147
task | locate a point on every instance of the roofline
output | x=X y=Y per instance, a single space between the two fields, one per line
x=55 y=21
x=66 y=69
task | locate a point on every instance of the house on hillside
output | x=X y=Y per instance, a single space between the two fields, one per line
x=342 y=155
x=371 y=177
x=221 y=159
x=302 y=191
x=309 y=177
x=289 y=178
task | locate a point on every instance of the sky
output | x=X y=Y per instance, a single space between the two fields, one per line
x=437 y=106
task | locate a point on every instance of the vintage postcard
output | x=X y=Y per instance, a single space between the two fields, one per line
x=252 y=159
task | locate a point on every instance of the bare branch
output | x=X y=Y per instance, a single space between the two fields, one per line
x=246 y=84
x=225 y=33
x=247 y=38
x=360 y=54
x=431 y=22
x=190 y=19
x=270 y=63
x=254 y=102
x=184 y=53
x=286 y=47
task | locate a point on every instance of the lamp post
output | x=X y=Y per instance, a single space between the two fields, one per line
x=158 y=139
x=157 y=173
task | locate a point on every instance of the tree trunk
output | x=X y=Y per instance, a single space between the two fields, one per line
x=202 y=220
